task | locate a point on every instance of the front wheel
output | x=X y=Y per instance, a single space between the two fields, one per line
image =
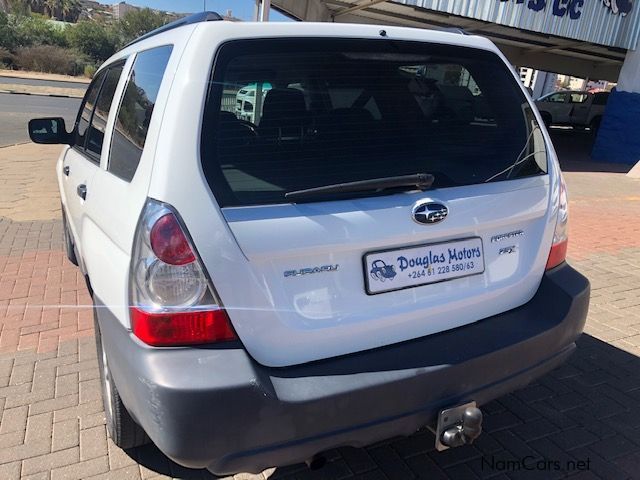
x=122 y=429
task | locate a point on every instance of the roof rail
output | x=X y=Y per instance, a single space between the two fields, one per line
x=195 y=18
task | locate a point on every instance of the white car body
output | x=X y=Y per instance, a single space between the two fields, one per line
x=342 y=319
x=290 y=275
x=576 y=108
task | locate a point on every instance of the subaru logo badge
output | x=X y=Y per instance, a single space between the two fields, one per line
x=428 y=213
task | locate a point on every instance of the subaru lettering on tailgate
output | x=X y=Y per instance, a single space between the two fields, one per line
x=413 y=266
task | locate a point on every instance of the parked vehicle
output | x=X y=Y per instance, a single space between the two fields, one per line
x=249 y=100
x=377 y=252
x=579 y=109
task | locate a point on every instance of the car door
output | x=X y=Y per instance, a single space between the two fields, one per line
x=559 y=108
x=597 y=107
x=82 y=161
x=581 y=104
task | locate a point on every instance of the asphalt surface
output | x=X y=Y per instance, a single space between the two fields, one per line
x=17 y=110
x=42 y=83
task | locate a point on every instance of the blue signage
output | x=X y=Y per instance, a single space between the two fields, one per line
x=573 y=8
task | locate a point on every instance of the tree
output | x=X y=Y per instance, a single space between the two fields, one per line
x=35 y=30
x=138 y=22
x=96 y=40
x=36 y=6
x=52 y=8
x=8 y=37
x=18 y=7
x=70 y=10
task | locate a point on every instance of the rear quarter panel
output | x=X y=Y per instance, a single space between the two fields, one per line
x=108 y=234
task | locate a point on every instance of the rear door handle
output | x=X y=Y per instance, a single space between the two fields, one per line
x=66 y=170
x=82 y=191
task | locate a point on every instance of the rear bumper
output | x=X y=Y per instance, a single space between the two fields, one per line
x=219 y=409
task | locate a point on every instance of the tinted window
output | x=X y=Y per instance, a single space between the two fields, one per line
x=136 y=108
x=578 y=97
x=557 y=98
x=101 y=112
x=600 y=98
x=346 y=110
x=86 y=110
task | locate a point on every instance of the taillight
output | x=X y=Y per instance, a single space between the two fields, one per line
x=181 y=328
x=169 y=243
x=172 y=302
x=558 y=253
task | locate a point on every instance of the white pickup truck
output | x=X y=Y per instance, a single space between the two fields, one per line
x=579 y=109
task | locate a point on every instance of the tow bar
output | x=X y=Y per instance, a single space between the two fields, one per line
x=458 y=426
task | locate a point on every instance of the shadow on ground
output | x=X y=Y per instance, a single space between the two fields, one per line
x=574 y=151
x=582 y=417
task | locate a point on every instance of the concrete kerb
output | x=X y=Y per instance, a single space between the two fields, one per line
x=43 y=76
x=41 y=94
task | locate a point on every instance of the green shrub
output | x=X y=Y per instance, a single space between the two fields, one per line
x=7 y=59
x=96 y=40
x=50 y=59
x=89 y=71
x=138 y=22
x=25 y=35
x=8 y=37
x=36 y=30
x=17 y=7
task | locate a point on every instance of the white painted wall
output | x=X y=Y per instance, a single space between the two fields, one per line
x=629 y=80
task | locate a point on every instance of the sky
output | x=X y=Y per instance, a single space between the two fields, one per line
x=242 y=9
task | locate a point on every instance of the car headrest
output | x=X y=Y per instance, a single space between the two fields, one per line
x=281 y=103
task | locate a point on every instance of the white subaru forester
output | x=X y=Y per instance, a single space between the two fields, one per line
x=382 y=249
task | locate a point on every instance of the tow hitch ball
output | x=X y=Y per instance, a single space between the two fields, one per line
x=458 y=426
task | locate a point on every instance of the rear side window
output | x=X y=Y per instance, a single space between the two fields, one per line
x=136 y=108
x=328 y=111
x=557 y=98
x=98 y=123
x=86 y=110
x=578 y=97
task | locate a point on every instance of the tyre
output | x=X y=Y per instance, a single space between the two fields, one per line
x=122 y=429
x=69 y=246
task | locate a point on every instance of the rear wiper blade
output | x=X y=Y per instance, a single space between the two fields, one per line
x=421 y=181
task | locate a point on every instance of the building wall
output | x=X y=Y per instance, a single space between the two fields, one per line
x=528 y=76
x=121 y=9
x=618 y=140
x=591 y=21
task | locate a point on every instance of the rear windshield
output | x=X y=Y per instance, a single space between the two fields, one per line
x=290 y=114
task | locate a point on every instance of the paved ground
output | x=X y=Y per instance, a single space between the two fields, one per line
x=17 y=110
x=582 y=419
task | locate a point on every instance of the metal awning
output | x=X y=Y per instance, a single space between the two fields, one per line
x=523 y=47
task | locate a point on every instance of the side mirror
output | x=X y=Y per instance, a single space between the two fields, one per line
x=48 y=130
